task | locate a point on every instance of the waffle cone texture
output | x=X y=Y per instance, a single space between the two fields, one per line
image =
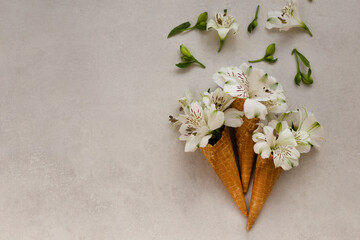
x=222 y=159
x=266 y=176
x=245 y=144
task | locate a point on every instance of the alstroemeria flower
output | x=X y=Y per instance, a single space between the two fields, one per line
x=223 y=24
x=186 y=100
x=222 y=101
x=198 y=124
x=286 y=19
x=306 y=129
x=252 y=83
x=277 y=139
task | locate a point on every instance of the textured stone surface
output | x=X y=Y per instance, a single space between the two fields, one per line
x=86 y=150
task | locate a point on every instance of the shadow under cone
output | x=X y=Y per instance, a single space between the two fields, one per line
x=266 y=176
x=222 y=159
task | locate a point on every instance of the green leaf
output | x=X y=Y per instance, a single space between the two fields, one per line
x=201 y=26
x=184 y=64
x=293 y=51
x=187 y=59
x=304 y=59
x=298 y=78
x=185 y=51
x=309 y=72
x=270 y=50
x=179 y=29
x=270 y=59
x=202 y=18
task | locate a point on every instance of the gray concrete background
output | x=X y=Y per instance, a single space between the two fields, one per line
x=86 y=150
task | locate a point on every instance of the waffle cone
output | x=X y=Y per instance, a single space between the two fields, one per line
x=245 y=144
x=222 y=159
x=266 y=176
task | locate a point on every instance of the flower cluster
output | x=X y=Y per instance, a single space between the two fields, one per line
x=281 y=133
x=203 y=120
x=287 y=136
x=264 y=94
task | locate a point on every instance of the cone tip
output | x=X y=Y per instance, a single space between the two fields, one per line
x=248 y=227
x=245 y=213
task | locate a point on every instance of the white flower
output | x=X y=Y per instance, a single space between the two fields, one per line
x=253 y=83
x=186 y=100
x=254 y=109
x=233 y=117
x=198 y=124
x=306 y=129
x=277 y=139
x=286 y=19
x=223 y=24
x=222 y=101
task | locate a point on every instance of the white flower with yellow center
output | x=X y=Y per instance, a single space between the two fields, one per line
x=252 y=83
x=306 y=129
x=286 y=19
x=223 y=24
x=277 y=139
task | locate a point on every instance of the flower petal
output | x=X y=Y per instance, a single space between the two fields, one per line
x=223 y=32
x=215 y=118
x=211 y=24
x=233 y=117
x=254 y=109
x=263 y=149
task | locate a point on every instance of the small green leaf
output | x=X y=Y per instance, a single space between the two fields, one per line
x=270 y=59
x=309 y=72
x=298 y=78
x=187 y=59
x=202 y=18
x=293 y=51
x=303 y=59
x=179 y=29
x=201 y=26
x=185 y=51
x=184 y=64
x=270 y=50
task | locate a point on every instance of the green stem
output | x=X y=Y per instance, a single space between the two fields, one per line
x=257 y=11
x=202 y=65
x=187 y=29
x=307 y=29
x=255 y=61
x=297 y=61
x=221 y=44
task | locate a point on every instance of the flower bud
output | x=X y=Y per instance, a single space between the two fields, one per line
x=185 y=51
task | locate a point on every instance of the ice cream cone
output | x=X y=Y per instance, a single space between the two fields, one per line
x=245 y=144
x=222 y=159
x=266 y=176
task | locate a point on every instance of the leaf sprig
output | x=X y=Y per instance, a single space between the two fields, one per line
x=187 y=58
x=270 y=50
x=254 y=22
x=302 y=77
x=200 y=24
